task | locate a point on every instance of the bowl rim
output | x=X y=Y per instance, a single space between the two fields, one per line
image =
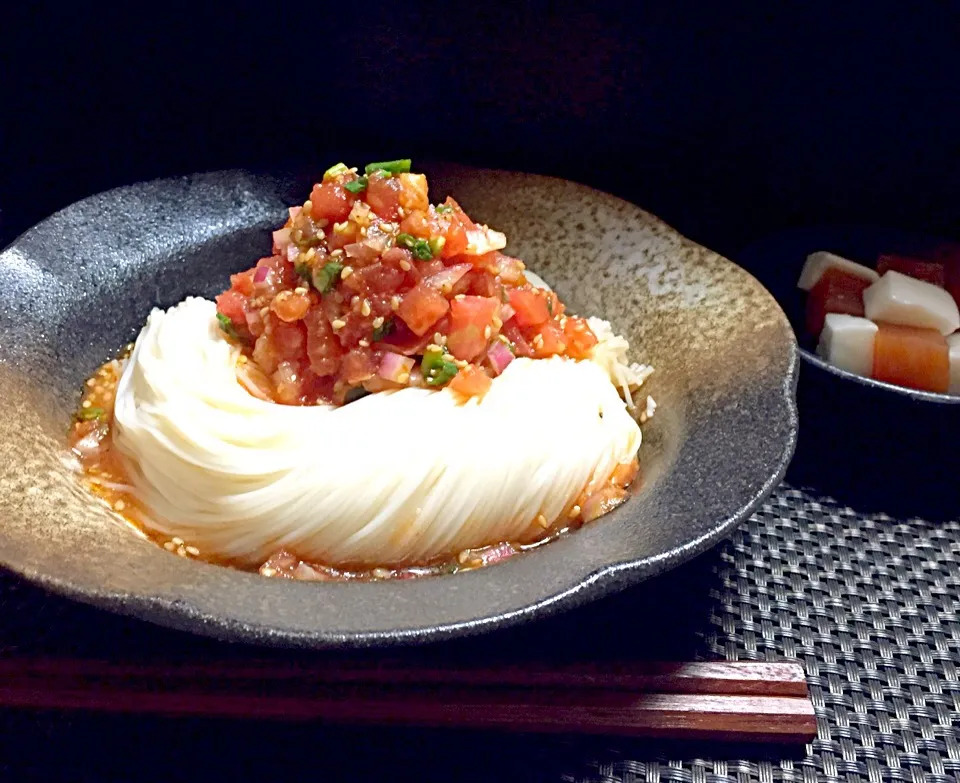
x=583 y=586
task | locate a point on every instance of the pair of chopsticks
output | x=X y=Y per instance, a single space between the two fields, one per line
x=742 y=702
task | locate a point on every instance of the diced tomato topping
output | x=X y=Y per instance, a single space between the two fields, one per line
x=530 y=306
x=331 y=202
x=471 y=325
x=358 y=366
x=421 y=307
x=911 y=357
x=471 y=382
x=243 y=283
x=579 y=337
x=548 y=341
x=836 y=292
x=323 y=349
x=928 y=271
x=343 y=290
x=383 y=195
x=232 y=304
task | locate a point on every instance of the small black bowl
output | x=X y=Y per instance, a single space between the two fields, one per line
x=871 y=442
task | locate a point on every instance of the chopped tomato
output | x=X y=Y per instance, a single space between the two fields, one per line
x=530 y=306
x=331 y=202
x=471 y=382
x=579 y=337
x=548 y=341
x=836 y=292
x=471 y=320
x=290 y=306
x=233 y=305
x=358 y=366
x=928 y=271
x=243 y=283
x=323 y=348
x=912 y=357
x=413 y=192
x=421 y=307
x=383 y=195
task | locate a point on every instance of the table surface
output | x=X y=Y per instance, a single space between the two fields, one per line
x=868 y=603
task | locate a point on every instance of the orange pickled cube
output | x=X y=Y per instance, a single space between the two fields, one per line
x=911 y=357
x=835 y=292
x=928 y=271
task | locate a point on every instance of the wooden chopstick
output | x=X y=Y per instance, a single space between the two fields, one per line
x=747 y=702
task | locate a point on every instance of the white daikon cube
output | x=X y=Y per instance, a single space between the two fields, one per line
x=898 y=299
x=847 y=342
x=819 y=262
x=953 y=341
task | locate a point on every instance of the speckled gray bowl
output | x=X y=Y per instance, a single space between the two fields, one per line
x=80 y=284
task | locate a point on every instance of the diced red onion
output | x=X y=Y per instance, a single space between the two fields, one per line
x=394 y=367
x=507 y=312
x=260 y=276
x=495 y=554
x=500 y=356
x=281 y=239
x=292 y=252
x=294 y=212
x=449 y=277
x=361 y=252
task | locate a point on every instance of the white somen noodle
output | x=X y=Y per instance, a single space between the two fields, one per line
x=395 y=477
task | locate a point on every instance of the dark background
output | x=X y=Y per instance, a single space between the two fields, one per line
x=727 y=119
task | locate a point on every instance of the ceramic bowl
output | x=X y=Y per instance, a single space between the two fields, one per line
x=81 y=283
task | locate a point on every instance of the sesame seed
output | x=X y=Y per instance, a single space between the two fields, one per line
x=182 y=550
x=461 y=363
x=365 y=308
x=448 y=357
x=433 y=347
x=405 y=265
x=347 y=271
x=574 y=512
x=364 y=343
x=267 y=571
x=308 y=206
x=458 y=297
x=464 y=556
x=394 y=303
x=336 y=253
x=538 y=341
x=119 y=506
x=378 y=322
x=310 y=255
x=401 y=212
x=177 y=541
x=438 y=338
x=497 y=323
x=338 y=323
x=542 y=521
x=91 y=383
x=86 y=404
x=192 y=550
x=169 y=546
x=503 y=339
x=300 y=290
x=487 y=332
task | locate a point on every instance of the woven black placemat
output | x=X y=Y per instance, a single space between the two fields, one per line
x=868 y=603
